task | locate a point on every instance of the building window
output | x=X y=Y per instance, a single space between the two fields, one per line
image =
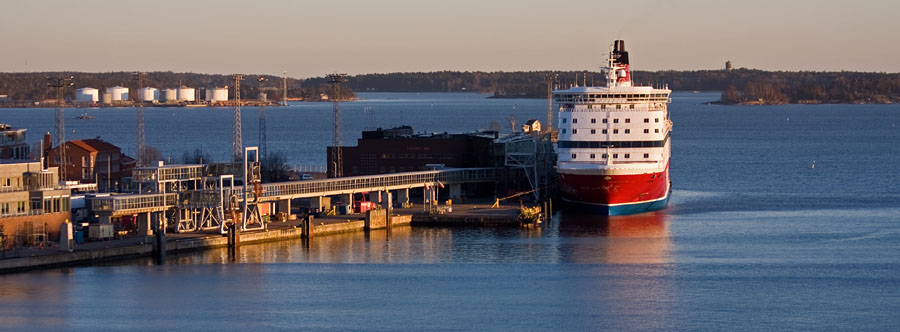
x=593 y=131
x=627 y=120
x=592 y=156
x=657 y=120
x=627 y=155
x=564 y=120
x=628 y=131
x=646 y=131
x=574 y=131
x=656 y=130
x=604 y=121
x=646 y=120
x=574 y=155
x=646 y=155
x=631 y=106
x=615 y=120
x=602 y=106
x=574 y=120
x=615 y=131
x=604 y=156
x=564 y=130
x=604 y=131
x=615 y=155
x=593 y=120
x=618 y=107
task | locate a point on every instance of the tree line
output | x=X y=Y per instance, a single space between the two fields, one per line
x=737 y=86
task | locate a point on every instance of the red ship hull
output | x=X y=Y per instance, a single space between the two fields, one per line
x=616 y=194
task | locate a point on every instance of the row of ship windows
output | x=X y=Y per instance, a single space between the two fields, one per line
x=615 y=131
x=604 y=156
x=627 y=120
x=605 y=95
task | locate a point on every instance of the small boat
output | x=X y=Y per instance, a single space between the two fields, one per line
x=85 y=116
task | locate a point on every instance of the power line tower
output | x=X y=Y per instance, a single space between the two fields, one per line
x=61 y=83
x=237 y=142
x=141 y=139
x=262 y=120
x=551 y=79
x=337 y=141
x=284 y=89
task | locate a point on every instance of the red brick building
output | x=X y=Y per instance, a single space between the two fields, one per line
x=92 y=161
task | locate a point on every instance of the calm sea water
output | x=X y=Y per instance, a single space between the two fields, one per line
x=755 y=238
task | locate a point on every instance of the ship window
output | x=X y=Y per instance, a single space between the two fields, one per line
x=615 y=120
x=574 y=156
x=574 y=120
x=615 y=131
x=646 y=155
x=593 y=131
x=628 y=131
x=627 y=120
x=604 y=121
x=646 y=131
x=604 y=131
x=627 y=155
x=615 y=155
x=656 y=130
x=574 y=131
x=593 y=120
x=646 y=120
x=631 y=106
x=592 y=156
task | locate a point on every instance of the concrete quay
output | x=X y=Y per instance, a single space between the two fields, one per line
x=136 y=247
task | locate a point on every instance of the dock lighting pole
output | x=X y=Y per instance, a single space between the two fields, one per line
x=337 y=141
x=237 y=142
x=141 y=140
x=551 y=78
x=60 y=83
x=262 y=119
x=249 y=177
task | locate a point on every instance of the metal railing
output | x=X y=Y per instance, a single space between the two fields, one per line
x=138 y=202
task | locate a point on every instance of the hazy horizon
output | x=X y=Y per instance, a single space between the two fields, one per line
x=313 y=38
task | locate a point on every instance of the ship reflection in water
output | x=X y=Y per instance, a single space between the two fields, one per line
x=632 y=239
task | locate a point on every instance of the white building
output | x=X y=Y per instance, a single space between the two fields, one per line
x=148 y=94
x=187 y=94
x=117 y=93
x=87 y=95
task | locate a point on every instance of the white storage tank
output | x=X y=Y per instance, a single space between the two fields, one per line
x=217 y=94
x=148 y=94
x=186 y=94
x=87 y=95
x=169 y=94
x=117 y=93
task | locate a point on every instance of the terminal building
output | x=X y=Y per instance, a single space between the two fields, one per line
x=33 y=205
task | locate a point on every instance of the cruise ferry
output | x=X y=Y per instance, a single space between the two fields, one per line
x=613 y=148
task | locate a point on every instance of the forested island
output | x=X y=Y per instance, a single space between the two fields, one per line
x=739 y=86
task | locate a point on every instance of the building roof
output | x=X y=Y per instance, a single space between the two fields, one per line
x=94 y=145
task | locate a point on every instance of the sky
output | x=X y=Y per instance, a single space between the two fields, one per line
x=314 y=38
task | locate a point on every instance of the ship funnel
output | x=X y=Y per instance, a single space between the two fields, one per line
x=619 y=45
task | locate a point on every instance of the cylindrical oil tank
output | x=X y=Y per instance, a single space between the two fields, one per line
x=262 y=96
x=169 y=94
x=117 y=93
x=148 y=94
x=107 y=98
x=186 y=93
x=87 y=95
x=217 y=94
